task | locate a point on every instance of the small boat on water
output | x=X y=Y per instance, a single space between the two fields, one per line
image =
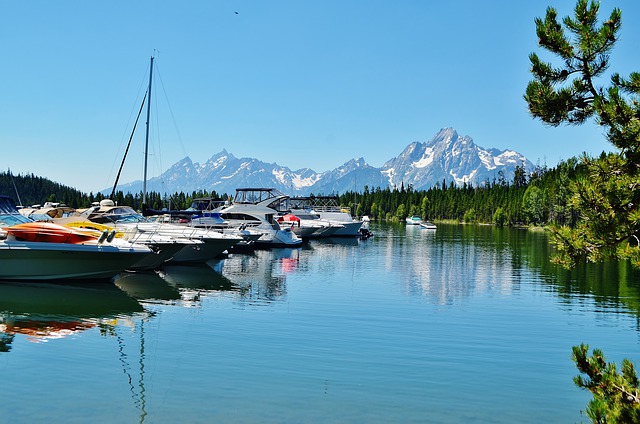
x=427 y=225
x=337 y=221
x=295 y=223
x=33 y=251
x=413 y=220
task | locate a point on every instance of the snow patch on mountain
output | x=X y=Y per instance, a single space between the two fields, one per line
x=426 y=160
x=447 y=156
x=300 y=183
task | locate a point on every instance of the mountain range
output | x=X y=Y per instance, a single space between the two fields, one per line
x=447 y=157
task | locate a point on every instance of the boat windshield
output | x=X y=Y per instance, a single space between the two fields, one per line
x=206 y=204
x=7 y=219
x=9 y=214
x=120 y=214
x=39 y=216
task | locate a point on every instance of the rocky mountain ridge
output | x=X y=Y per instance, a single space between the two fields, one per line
x=447 y=157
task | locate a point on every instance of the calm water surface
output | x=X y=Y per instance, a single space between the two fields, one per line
x=464 y=324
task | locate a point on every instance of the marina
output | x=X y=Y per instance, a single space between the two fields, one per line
x=405 y=326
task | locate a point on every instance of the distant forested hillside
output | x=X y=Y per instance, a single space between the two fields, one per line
x=30 y=189
x=540 y=198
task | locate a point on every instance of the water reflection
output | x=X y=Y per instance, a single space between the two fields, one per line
x=610 y=284
x=327 y=257
x=43 y=311
x=195 y=281
x=460 y=261
x=261 y=276
x=147 y=287
x=449 y=263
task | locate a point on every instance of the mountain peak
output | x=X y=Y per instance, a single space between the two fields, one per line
x=223 y=154
x=445 y=134
x=360 y=162
x=447 y=156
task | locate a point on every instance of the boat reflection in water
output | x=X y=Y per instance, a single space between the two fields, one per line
x=147 y=287
x=195 y=281
x=48 y=311
x=200 y=276
x=260 y=275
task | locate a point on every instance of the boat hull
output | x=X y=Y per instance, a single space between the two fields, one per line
x=203 y=252
x=349 y=229
x=428 y=226
x=163 y=252
x=60 y=261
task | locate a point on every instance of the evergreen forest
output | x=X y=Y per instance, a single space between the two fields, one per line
x=538 y=198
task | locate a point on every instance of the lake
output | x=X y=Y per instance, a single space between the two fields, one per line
x=463 y=324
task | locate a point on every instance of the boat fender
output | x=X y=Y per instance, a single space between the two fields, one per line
x=103 y=236
x=111 y=236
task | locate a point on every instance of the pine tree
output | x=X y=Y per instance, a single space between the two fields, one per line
x=606 y=191
x=616 y=397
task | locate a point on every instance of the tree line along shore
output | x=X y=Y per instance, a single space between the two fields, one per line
x=539 y=198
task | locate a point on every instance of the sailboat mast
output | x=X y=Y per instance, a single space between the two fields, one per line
x=146 y=140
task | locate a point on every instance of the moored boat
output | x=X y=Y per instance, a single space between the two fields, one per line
x=326 y=209
x=201 y=245
x=251 y=214
x=58 y=253
x=413 y=220
x=428 y=225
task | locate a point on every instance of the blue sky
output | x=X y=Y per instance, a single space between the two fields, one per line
x=301 y=83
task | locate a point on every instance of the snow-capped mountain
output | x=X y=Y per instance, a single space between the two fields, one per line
x=447 y=157
x=451 y=157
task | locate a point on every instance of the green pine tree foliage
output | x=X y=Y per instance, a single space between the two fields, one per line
x=605 y=192
x=616 y=397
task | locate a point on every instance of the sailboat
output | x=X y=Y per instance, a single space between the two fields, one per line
x=200 y=245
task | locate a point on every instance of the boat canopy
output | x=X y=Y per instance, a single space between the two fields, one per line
x=317 y=203
x=269 y=197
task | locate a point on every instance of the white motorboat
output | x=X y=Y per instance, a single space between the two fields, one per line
x=164 y=248
x=428 y=225
x=296 y=224
x=207 y=219
x=256 y=208
x=413 y=220
x=326 y=209
x=44 y=251
x=201 y=245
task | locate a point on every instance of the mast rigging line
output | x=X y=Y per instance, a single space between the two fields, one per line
x=173 y=117
x=142 y=89
x=128 y=145
x=150 y=132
